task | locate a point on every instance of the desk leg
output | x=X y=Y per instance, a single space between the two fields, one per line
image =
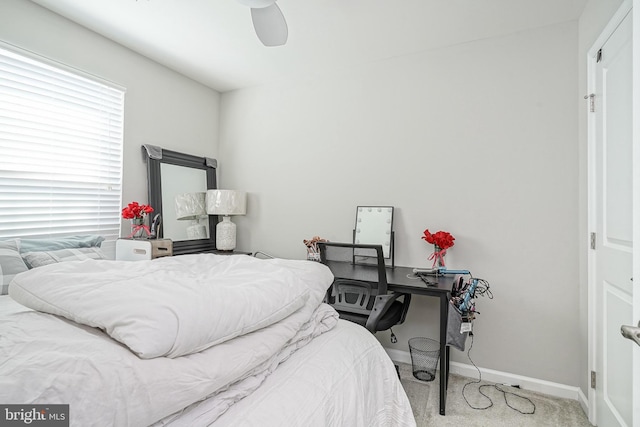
x=444 y=352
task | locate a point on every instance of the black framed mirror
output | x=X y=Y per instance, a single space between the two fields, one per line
x=169 y=174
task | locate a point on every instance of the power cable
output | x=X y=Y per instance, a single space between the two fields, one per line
x=505 y=393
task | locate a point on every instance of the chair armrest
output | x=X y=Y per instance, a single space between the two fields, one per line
x=380 y=307
x=405 y=308
x=259 y=254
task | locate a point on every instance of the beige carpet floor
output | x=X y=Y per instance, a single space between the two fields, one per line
x=549 y=411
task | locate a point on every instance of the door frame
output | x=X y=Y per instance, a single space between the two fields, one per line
x=608 y=30
x=635 y=39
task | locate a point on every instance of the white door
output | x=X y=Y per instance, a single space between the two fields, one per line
x=613 y=162
x=636 y=207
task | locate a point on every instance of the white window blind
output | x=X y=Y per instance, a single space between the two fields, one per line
x=60 y=151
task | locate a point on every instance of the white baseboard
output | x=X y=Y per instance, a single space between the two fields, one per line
x=399 y=355
x=584 y=401
x=526 y=383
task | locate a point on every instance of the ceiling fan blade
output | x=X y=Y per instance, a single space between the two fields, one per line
x=270 y=25
x=257 y=3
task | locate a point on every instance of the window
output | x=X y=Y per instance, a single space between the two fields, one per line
x=60 y=150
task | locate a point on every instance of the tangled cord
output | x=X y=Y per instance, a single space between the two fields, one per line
x=504 y=392
x=483 y=288
x=463 y=296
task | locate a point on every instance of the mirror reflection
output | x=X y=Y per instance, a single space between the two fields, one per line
x=176 y=182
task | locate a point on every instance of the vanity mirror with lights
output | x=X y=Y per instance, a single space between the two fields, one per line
x=172 y=178
x=374 y=226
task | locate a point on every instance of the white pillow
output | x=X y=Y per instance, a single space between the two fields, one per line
x=11 y=263
x=38 y=259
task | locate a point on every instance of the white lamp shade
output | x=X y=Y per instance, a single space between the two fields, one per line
x=190 y=206
x=226 y=202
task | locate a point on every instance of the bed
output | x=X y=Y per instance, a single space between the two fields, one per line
x=192 y=340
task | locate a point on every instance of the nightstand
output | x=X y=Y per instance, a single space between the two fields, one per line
x=140 y=249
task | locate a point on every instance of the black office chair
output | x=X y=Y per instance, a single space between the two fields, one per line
x=359 y=290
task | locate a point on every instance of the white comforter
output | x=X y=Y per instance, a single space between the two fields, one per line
x=343 y=378
x=49 y=359
x=173 y=306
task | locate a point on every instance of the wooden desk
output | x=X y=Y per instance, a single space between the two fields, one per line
x=402 y=279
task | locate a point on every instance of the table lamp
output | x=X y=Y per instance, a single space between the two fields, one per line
x=191 y=206
x=226 y=203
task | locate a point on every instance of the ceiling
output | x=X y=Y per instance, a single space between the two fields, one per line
x=213 y=41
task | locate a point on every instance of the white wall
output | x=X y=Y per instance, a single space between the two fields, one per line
x=594 y=18
x=478 y=139
x=162 y=107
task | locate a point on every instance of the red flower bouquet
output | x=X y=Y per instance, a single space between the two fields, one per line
x=441 y=241
x=136 y=213
x=135 y=210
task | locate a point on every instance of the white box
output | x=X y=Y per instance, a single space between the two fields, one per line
x=138 y=249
